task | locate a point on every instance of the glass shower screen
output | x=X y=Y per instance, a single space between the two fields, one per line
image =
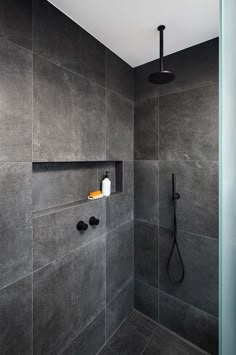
x=228 y=179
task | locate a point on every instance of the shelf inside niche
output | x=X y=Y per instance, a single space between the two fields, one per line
x=61 y=185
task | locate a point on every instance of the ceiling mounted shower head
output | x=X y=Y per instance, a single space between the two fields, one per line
x=163 y=76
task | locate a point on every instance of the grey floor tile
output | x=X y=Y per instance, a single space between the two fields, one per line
x=72 y=47
x=146 y=196
x=119 y=123
x=76 y=115
x=107 y=351
x=91 y=339
x=56 y=234
x=188 y=124
x=119 y=75
x=16 y=103
x=119 y=258
x=200 y=257
x=194 y=325
x=16 y=318
x=140 y=318
x=16 y=21
x=15 y=222
x=146 y=299
x=146 y=129
x=166 y=343
x=119 y=308
x=146 y=252
x=197 y=184
x=130 y=339
x=61 y=308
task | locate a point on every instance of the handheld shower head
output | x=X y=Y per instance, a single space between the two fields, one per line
x=163 y=76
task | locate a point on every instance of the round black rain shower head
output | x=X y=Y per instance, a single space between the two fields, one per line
x=163 y=76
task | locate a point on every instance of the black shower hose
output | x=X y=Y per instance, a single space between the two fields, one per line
x=175 y=244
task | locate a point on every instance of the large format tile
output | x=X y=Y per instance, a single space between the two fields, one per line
x=119 y=308
x=119 y=258
x=194 y=66
x=142 y=86
x=146 y=199
x=146 y=299
x=56 y=234
x=130 y=339
x=141 y=319
x=15 y=102
x=146 y=252
x=68 y=294
x=119 y=208
x=119 y=128
x=188 y=124
x=198 y=327
x=197 y=184
x=16 y=21
x=57 y=184
x=15 y=222
x=66 y=43
x=166 y=343
x=119 y=75
x=200 y=257
x=16 y=318
x=146 y=129
x=90 y=340
x=68 y=125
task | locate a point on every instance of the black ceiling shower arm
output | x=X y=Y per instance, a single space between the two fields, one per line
x=161 y=30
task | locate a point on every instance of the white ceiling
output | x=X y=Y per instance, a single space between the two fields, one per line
x=128 y=27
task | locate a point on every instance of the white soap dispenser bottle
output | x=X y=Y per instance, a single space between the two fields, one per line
x=106 y=185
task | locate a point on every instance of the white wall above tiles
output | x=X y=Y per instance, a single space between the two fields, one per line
x=128 y=27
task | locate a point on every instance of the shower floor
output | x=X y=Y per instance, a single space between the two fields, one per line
x=139 y=335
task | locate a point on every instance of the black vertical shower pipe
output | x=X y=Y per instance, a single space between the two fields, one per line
x=161 y=30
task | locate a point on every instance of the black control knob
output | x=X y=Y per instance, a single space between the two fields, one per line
x=81 y=226
x=93 y=221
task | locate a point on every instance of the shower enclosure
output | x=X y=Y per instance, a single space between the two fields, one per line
x=176 y=132
x=137 y=271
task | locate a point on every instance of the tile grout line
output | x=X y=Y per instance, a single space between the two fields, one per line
x=146 y=346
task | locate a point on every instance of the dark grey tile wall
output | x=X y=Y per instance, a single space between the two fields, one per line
x=177 y=124
x=76 y=114
x=195 y=325
x=91 y=340
x=16 y=22
x=68 y=294
x=15 y=222
x=119 y=308
x=146 y=252
x=119 y=123
x=197 y=184
x=67 y=44
x=67 y=100
x=146 y=197
x=146 y=299
x=119 y=259
x=16 y=317
x=188 y=123
x=146 y=129
x=200 y=255
x=56 y=234
x=16 y=102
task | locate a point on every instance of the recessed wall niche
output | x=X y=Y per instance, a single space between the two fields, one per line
x=59 y=184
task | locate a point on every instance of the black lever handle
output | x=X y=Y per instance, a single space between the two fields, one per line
x=93 y=221
x=81 y=226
